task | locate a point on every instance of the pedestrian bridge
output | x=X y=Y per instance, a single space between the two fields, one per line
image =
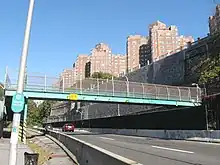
x=104 y=90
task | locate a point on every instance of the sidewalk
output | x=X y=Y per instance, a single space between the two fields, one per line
x=5 y=149
x=57 y=156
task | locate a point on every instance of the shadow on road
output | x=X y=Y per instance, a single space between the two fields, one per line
x=33 y=136
x=84 y=133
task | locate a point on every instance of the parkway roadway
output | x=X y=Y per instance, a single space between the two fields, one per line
x=152 y=151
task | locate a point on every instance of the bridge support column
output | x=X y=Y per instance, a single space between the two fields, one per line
x=78 y=105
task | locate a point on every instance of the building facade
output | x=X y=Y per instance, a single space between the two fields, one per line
x=163 y=39
x=67 y=78
x=79 y=65
x=132 y=51
x=184 y=40
x=88 y=69
x=118 y=64
x=145 y=57
x=214 y=21
x=101 y=59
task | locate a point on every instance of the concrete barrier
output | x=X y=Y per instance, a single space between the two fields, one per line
x=88 y=154
x=195 y=135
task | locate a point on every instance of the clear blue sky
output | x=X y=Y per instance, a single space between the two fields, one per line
x=61 y=29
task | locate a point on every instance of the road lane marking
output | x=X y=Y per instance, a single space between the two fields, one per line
x=133 y=137
x=172 y=149
x=106 y=138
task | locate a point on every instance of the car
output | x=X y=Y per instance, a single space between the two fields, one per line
x=68 y=127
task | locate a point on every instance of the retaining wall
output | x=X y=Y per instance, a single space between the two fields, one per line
x=194 y=135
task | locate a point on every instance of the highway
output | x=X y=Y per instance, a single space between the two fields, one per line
x=151 y=151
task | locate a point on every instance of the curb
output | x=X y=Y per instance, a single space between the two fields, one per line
x=71 y=156
x=203 y=140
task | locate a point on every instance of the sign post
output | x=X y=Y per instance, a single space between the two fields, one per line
x=18 y=100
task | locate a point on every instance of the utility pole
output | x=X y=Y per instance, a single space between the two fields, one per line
x=18 y=100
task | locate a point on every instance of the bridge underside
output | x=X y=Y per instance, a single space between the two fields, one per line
x=100 y=98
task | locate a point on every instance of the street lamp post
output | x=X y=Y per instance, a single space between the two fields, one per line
x=81 y=114
x=118 y=109
x=127 y=83
x=206 y=108
x=20 y=88
x=197 y=91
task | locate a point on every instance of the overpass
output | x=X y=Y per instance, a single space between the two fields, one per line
x=104 y=90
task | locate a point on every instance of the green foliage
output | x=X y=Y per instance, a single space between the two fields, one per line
x=33 y=113
x=102 y=75
x=209 y=74
x=37 y=114
x=211 y=67
x=45 y=109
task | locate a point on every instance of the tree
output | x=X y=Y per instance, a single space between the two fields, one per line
x=33 y=113
x=37 y=114
x=45 y=109
x=211 y=67
x=102 y=75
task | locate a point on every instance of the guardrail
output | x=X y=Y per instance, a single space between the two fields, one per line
x=88 y=154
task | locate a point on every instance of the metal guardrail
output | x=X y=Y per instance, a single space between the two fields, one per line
x=108 y=87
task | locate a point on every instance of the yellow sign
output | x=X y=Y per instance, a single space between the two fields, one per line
x=73 y=97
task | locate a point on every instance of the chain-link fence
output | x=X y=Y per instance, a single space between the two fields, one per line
x=106 y=87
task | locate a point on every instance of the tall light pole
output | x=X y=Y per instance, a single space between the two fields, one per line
x=127 y=84
x=197 y=91
x=206 y=108
x=118 y=109
x=20 y=88
x=81 y=114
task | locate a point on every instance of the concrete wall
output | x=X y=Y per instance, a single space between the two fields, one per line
x=169 y=70
x=194 y=135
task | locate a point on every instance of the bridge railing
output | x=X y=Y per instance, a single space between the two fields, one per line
x=113 y=87
x=106 y=87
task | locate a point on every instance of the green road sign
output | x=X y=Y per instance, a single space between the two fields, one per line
x=17 y=103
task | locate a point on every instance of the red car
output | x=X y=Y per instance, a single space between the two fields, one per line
x=68 y=128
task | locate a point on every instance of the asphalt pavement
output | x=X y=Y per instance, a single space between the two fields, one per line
x=151 y=151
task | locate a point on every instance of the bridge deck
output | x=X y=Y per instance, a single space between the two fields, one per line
x=100 y=90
